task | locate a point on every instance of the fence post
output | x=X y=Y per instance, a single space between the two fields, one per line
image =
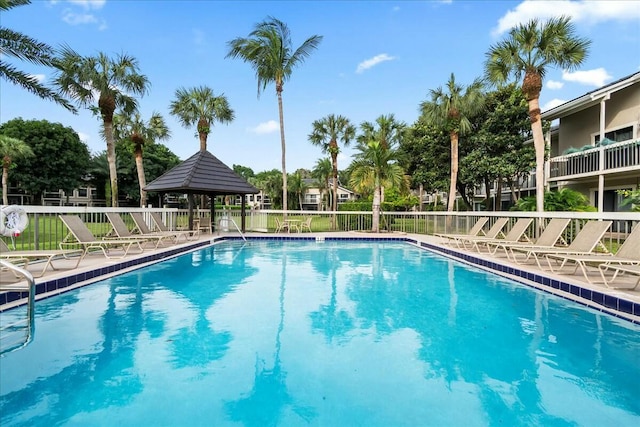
x=36 y=230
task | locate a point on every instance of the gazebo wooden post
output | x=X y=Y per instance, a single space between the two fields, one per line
x=243 y=211
x=190 y=200
x=213 y=212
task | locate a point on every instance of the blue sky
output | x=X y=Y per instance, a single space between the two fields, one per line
x=377 y=57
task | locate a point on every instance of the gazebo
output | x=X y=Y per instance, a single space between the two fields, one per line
x=203 y=173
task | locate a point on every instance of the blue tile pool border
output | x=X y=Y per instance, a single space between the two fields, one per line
x=609 y=304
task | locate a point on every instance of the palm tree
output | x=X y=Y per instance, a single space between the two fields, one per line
x=131 y=127
x=298 y=187
x=200 y=106
x=528 y=51
x=112 y=83
x=326 y=134
x=17 y=45
x=451 y=110
x=376 y=165
x=322 y=172
x=270 y=52
x=11 y=149
x=386 y=130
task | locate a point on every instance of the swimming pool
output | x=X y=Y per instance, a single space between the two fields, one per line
x=319 y=333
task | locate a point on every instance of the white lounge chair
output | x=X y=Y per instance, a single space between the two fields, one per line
x=628 y=253
x=80 y=235
x=583 y=243
x=48 y=256
x=617 y=269
x=163 y=229
x=143 y=228
x=476 y=230
x=548 y=238
x=492 y=233
x=517 y=232
x=120 y=229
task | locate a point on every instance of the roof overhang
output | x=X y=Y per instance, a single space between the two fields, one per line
x=590 y=99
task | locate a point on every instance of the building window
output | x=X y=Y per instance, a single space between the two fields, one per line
x=310 y=198
x=623 y=134
x=82 y=192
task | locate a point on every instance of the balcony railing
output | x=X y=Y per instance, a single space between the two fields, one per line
x=618 y=156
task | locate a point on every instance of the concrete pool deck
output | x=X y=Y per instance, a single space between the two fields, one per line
x=622 y=303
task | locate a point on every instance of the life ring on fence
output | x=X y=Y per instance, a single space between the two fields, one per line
x=13 y=221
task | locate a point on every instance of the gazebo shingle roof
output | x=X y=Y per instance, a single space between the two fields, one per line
x=202 y=173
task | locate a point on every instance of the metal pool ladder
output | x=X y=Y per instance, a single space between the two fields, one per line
x=19 y=334
x=227 y=218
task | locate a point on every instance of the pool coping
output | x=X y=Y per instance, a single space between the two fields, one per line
x=616 y=306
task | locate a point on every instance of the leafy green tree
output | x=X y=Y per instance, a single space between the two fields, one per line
x=424 y=156
x=452 y=110
x=135 y=132
x=374 y=165
x=321 y=172
x=564 y=200
x=528 y=52
x=200 y=106
x=498 y=142
x=158 y=159
x=99 y=174
x=326 y=134
x=244 y=171
x=11 y=149
x=59 y=162
x=14 y=44
x=271 y=185
x=270 y=52
x=111 y=83
x=631 y=198
x=297 y=189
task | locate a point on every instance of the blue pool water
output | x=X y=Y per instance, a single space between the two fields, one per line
x=329 y=334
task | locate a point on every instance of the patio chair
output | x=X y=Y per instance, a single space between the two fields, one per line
x=122 y=231
x=47 y=256
x=549 y=237
x=306 y=224
x=83 y=237
x=617 y=269
x=474 y=231
x=162 y=228
x=143 y=228
x=517 y=232
x=281 y=225
x=628 y=253
x=492 y=233
x=204 y=225
x=583 y=243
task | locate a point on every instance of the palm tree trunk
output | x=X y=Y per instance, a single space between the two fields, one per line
x=284 y=149
x=5 y=184
x=538 y=143
x=454 y=171
x=334 y=205
x=111 y=160
x=141 y=178
x=375 y=222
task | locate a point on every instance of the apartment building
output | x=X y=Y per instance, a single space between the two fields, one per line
x=595 y=147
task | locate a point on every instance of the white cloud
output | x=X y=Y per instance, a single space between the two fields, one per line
x=73 y=18
x=552 y=84
x=588 y=11
x=89 y=4
x=266 y=127
x=553 y=104
x=83 y=137
x=39 y=77
x=597 y=77
x=371 y=62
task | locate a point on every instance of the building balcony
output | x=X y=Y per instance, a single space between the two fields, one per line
x=618 y=157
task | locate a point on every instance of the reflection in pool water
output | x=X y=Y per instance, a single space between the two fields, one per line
x=298 y=333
